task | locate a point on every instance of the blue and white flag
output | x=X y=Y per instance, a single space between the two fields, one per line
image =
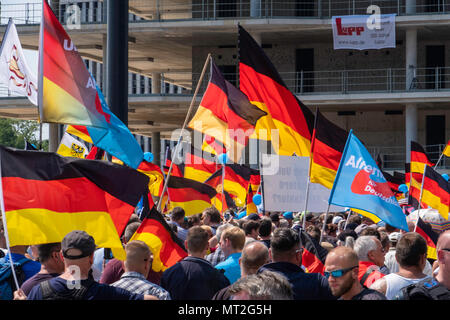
x=360 y=184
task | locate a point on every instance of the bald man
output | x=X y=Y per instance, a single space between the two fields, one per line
x=254 y=255
x=341 y=270
x=137 y=265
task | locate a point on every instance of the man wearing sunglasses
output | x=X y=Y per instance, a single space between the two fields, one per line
x=341 y=270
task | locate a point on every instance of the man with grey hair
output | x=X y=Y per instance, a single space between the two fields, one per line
x=411 y=254
x=218 y=255
x=371 y=257
x=266 y=285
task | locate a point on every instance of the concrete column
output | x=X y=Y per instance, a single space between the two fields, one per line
x=53 y=137
x=156 y=83
x=411 y=132
x=146 y=144
x=411 y=55
x=156 y=148
x=146 y=85
x=130 y=83
x=411 y=119
x=138 y=83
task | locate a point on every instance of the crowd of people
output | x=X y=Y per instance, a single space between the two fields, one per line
x=257 y=257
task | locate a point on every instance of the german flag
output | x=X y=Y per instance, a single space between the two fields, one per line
x=96 y=154
x=431 y=237
x=47 y=196
x=436 y=192
x=198 y=164
x=166 y=247
x=414 y=191
x=262 y=84
x=255 y=179
x=394 y=181
x=154 y=173
x=191 y=195
x=251 y=206
x=177 y=169
x=236 y=181
x=226 y=114
x=446 y=151
x=80 y=132
x=213 y=146
x=314 y=255
x=326 y=151
x=419 y=158
x=407 y=174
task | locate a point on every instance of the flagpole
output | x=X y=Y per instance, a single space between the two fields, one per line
x=420 y=197
x=348 y=218
x=309 y=171
x=324 y=223
x=5 y=229
x=439 y=160
x=223 y=187
x=208 y=59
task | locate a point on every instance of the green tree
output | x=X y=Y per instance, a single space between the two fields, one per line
x=14 y=133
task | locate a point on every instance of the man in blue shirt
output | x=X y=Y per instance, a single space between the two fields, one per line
x=232 y=242
x=29 y=268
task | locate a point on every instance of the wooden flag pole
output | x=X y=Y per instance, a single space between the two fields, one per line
x=309 y=171
x=208 y=59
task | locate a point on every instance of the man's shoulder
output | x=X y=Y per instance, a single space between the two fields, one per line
x=369 y=294
x=427 y=289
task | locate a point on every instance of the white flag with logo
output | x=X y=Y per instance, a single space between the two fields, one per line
x=14 y=70
x=71 y=147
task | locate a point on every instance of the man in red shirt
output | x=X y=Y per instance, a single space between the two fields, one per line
x=371 y=257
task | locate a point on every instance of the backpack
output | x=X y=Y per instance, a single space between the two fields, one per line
x=7 y=285
x=425 y=290
x=48 y=293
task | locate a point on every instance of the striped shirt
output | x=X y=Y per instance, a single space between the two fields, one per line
x=135 y=282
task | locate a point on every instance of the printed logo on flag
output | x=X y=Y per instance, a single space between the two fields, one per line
x=360 y=184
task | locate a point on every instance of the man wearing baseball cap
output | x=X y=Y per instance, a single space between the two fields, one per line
x=77 y=283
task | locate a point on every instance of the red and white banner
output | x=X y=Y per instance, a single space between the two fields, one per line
x=364 y=32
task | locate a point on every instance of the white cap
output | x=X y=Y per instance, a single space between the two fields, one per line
x=336 y=219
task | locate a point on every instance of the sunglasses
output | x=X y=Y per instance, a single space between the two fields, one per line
x=338 y=273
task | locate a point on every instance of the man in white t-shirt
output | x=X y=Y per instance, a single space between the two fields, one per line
x=411 y=255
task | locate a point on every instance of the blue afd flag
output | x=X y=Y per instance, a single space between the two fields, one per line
x=361 y=185
x=117 y=139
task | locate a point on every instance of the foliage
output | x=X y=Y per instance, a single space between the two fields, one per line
x=14 y=133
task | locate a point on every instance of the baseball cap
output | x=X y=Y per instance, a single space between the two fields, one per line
x=394 y=236
x=79 y=241
x=336 y=219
